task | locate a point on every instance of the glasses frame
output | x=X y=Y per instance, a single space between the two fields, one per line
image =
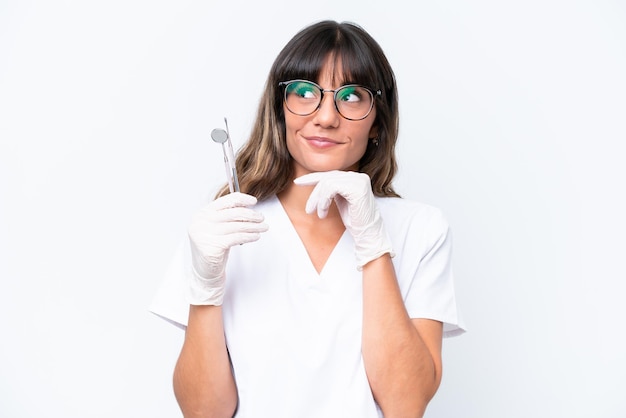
x=373 y=95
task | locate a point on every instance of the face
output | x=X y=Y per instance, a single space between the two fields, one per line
x=325 y=140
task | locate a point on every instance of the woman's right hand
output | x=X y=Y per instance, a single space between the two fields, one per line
x=225 y=222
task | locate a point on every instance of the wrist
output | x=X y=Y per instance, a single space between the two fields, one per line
x=372 y=244
x=203 y=291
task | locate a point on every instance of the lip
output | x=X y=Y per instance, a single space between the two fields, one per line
x=321 y=142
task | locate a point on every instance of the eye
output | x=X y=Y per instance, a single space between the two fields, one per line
x=303 y=89
x=350 y=94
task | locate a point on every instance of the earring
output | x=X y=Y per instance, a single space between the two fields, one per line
x=375 y=141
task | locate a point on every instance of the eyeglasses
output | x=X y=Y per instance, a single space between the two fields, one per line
x=352 y=101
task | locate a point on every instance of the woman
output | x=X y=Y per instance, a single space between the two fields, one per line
x=337 y=303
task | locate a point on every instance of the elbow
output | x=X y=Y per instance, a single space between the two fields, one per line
x=205 y=403
x=206 y=408
x=436 y=382
x=408 y=400
x=207 y=413
x=430 y=386
x=427 y=392
x=413 y=406
x=414 y=395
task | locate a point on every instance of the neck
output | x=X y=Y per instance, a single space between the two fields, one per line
x=294 y=199
x=294 y=196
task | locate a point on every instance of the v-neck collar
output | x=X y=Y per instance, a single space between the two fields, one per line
x=301 y=252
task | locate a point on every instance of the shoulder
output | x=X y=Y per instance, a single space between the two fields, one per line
x=401 y=212
x=414 y=227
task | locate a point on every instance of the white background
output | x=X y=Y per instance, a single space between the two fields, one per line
x=513 y=123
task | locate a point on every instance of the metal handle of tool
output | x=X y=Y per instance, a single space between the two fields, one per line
x=222 y=136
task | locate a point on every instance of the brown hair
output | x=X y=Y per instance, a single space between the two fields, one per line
x=264 y=165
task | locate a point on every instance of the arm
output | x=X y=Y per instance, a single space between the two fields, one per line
x=402 y=356
x=203 y=382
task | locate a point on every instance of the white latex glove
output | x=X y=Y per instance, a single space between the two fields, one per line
x=225 y=222
x=352 y=192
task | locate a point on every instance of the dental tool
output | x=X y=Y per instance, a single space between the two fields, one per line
x=222 y=136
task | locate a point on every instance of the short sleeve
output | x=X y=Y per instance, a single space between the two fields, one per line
x=422 y=241
x=170 y=301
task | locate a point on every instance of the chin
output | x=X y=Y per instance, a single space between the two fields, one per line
x=322 y=166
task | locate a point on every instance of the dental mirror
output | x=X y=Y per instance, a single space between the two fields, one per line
x=222 y=136
x=219 y=135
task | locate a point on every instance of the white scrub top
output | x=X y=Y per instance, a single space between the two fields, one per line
x=293 y=335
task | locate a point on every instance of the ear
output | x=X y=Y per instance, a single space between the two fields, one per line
x=373 y=132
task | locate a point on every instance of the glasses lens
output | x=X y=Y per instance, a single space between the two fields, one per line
x=302 y=97
x=354 y=102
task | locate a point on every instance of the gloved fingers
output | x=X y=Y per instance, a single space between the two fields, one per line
x=322 y=195
x=232 y=200
x=312 y=179
x=333 y=175
x=207 y=217
x=212 y=225
x=220 y=225
x=242 y=214
x=207 y=247
x=215 y=232
x=320 y=199
x=349 y=184
x=241 y=237
x=341 y=186
x=229 y=228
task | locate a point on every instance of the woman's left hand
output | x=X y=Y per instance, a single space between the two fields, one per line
x=352 y=193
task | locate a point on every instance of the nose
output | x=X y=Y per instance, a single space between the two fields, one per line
x=327 y=115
